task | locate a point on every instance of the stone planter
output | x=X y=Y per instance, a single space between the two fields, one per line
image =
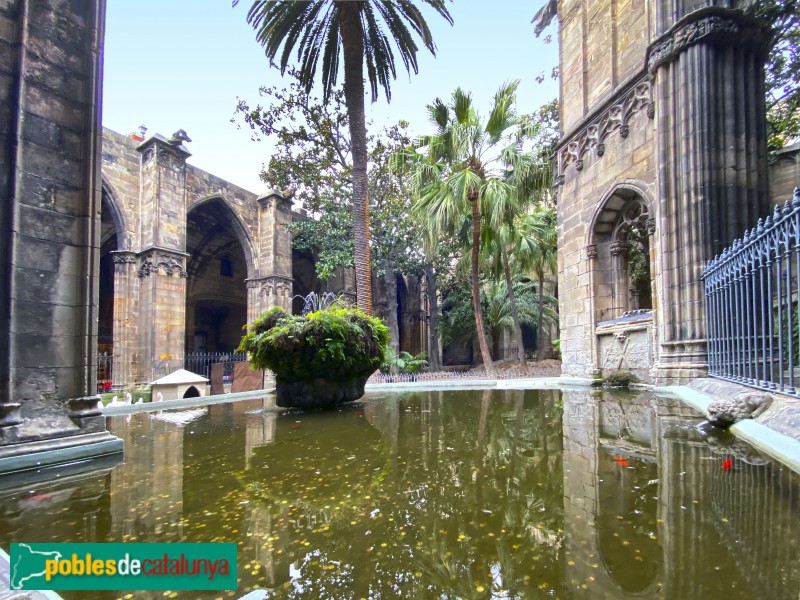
x=319 y=360
x=321 y=392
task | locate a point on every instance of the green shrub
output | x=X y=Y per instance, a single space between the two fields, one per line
x=404 y=362
x=338 y=343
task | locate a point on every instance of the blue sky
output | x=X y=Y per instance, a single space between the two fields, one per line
x=173 y=64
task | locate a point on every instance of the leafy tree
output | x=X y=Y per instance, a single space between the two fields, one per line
x=312 y=155
x=360 y=32
x=782 y=70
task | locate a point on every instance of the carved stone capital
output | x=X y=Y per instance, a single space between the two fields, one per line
x=714 y=25
x=272 y=285
x=164 y=261
x=123 y=257
x=160 y=149
x=619 y=248
x=651 y=226
x=591 y=251
x=276 y=199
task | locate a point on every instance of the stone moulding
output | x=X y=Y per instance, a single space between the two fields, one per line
x=708 y=26
x=615 y=117
x=162 y=260
x=271 y=285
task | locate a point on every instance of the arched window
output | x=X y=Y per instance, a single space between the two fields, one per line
x=621 y=241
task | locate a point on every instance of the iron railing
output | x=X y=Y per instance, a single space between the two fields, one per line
x=105 y=362
x=752 y=308
x=200 y=362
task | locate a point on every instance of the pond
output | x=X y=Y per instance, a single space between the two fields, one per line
x=575 y=494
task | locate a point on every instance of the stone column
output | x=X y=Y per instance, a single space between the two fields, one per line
x=126 y=369
x=50 y=87
x=162 y=260
x=619 y=277
x=707 y=65
x=273 y=287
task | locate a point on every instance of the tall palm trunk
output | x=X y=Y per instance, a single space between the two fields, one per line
x=523 y=364
x=391 y=304
x=540 y=319
x=476 y=292
x=353 y=50
x=434 y=354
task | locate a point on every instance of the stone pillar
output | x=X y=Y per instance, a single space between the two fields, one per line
x=127 y=369
x=707 y=64
x=273 y=287
x=50 y=87
x=162 y=260
x=619 y=277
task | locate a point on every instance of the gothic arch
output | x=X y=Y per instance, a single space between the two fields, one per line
x=609 y=207
x=110 y=200
x=619 y=245
x=240 y=229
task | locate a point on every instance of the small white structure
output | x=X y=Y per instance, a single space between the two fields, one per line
x=177 y=385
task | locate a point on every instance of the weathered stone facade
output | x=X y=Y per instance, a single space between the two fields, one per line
x=50 y=86
x=190 y=252
x=187 y=259
x=664 y=156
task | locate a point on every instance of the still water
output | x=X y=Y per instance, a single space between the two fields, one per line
x=477 y=494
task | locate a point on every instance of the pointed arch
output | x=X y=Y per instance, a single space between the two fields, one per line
x=614 y=201
x=110 y=201
x=237 y=225
x=619 y=243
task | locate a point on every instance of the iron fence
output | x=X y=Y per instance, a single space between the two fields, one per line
x=105 y=362
x=752 y=308
x=200 y=362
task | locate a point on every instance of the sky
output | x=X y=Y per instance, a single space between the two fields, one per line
x=183 y=64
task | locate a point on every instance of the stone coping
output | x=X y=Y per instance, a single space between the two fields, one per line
x=130 y=409
x=779 y=446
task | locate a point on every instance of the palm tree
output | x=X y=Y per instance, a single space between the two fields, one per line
x=359 y=31
x=535 y=251
x=458 y=175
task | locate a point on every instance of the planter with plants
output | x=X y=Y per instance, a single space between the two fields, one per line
x=320 y=359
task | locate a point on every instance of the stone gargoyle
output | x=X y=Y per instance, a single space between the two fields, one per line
x=179 y=137
x=745 y=405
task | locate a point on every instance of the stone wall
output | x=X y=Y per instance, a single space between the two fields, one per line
x=785 y=174
x=663 y=112
x=164 y=269
x=50 y=86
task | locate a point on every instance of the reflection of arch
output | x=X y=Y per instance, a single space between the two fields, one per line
x=110 y=202
x=628 y=549
x=239 y=228
x=619 y=242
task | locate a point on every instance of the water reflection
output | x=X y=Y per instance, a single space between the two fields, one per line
x=519 y=494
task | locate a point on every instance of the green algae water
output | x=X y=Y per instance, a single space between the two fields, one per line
x=444 y=494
